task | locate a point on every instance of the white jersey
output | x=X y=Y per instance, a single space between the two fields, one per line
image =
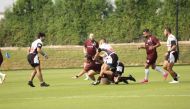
x=36 y=44
x=171 y=38
x=106 y=46
x=107 y=50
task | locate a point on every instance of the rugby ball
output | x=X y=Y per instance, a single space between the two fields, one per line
x=105 y=81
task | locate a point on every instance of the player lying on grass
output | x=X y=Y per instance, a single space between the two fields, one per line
x=110 y=59
x=115 y=75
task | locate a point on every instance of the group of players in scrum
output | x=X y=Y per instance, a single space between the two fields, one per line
x=101 y=59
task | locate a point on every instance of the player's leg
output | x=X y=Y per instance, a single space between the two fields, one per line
x=147 y=72
x=91 y=74
x=172 y=59
x=104 y=68
x=40 y=76
x=172 y=73
x=30 y=82
x=126 y=78
x=2 y=77
x=158 y=69
x=82 y=72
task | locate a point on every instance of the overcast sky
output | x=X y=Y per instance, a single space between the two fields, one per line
x=5 y=4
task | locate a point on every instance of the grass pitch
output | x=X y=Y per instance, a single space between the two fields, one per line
x=68 y=93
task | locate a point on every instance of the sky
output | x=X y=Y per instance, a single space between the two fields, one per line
x=5 y=4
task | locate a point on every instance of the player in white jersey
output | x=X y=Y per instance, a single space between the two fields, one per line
x=2 y=75
x=34 y=61
x=171 y=56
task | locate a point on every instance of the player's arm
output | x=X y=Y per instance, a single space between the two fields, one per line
x=97 y=54
x=80 y=74
x=141 y=47
x=28 y=51
x=157 y=45
x=39 y=50
x=84 y=50
x=173 y=46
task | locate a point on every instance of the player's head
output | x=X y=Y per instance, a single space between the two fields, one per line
x=146 y=32
x=41 y=35
x=102 y=41
x=167 y=31
x=91 y=36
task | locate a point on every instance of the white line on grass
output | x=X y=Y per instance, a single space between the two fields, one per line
x=105 y=97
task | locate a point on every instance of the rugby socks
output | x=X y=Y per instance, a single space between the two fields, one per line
x=146 y=74
x=176 y=76
x=99 y=78
x=160 y=70
x=87 y=77
x=1 y=74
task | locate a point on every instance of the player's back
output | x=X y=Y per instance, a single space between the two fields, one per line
x=34 y=45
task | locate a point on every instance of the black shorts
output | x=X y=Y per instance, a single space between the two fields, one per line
x=119 y=70
x=1 y=58
x=112 y=62
x=33 y=60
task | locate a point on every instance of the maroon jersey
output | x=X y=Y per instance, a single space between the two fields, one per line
x=151 y=41
x=151 y=54
x=91 y=46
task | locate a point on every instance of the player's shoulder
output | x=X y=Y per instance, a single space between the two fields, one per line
x=171 y=37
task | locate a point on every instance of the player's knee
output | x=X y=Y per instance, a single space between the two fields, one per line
x=165 y=68
x=169 y=69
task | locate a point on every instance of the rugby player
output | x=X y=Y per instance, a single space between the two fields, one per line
x=151 y=43
x=90 y=48
x=2 y=76
x=33 y=59
x=110 y=59
x=91 y=68
x=116 y=75
x=171 y=56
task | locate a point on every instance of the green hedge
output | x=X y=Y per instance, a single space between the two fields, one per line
x=70 y=21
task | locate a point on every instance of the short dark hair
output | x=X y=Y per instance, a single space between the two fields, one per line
x=40 y=34
x=168 y=29
x=104 y=40
x=146 y=30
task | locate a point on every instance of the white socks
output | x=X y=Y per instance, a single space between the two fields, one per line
x=1 y=74
x=159 y=70
x=87 y=77
x=146 y=74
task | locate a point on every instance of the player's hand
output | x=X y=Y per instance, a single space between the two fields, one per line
x=151 y=48
x=75 y=77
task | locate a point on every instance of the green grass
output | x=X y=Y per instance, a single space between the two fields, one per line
x=68 y=93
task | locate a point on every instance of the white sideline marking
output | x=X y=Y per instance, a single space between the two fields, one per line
x=79 y=97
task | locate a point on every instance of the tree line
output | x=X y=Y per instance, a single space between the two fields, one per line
x=70 y=21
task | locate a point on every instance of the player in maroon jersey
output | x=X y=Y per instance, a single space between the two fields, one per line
x=91 y=68
x=89 y=49
x=151 y=43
